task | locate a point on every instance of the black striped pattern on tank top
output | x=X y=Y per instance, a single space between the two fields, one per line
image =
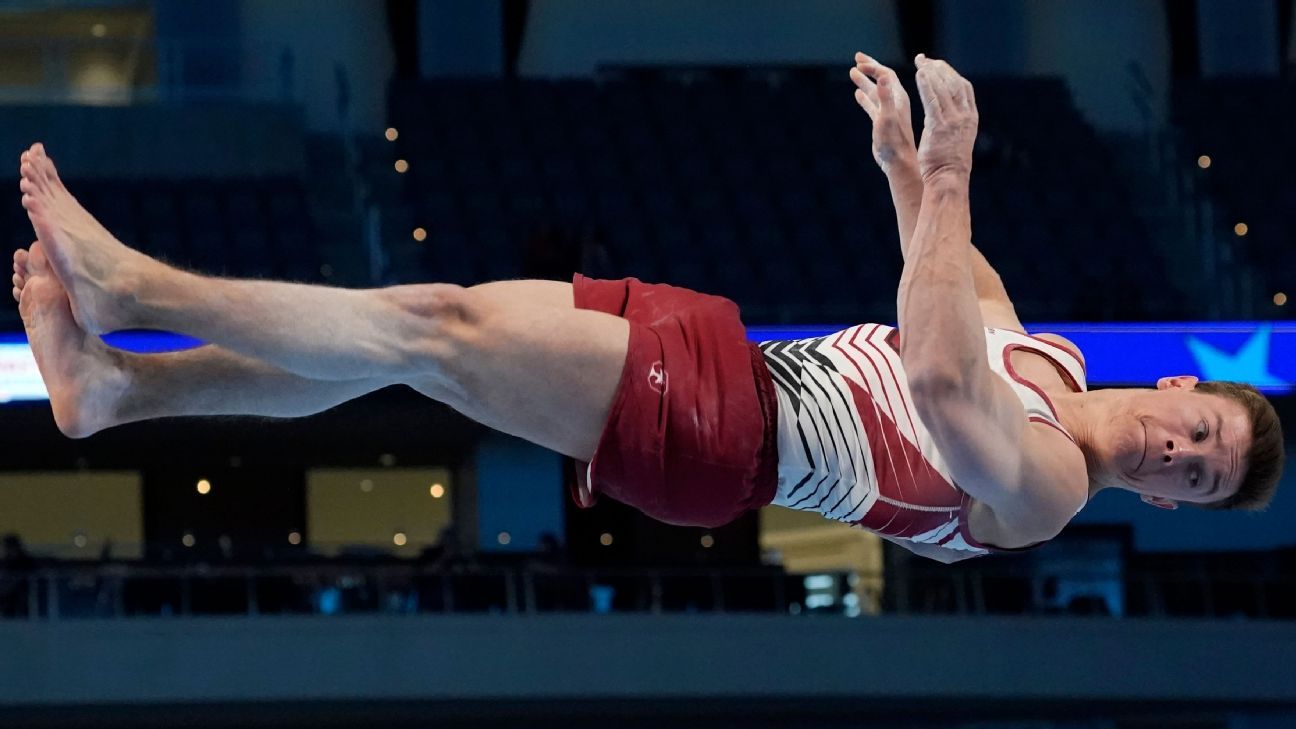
x=825 y=424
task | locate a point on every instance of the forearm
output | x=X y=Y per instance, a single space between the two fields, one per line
x=942 y=339
x=906 y=195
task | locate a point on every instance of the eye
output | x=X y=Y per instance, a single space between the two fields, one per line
x=1201 y=433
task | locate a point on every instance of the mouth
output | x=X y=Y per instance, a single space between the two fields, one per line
x=1144 y=456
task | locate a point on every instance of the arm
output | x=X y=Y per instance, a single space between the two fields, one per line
x=880 y=94
x=1027 y=476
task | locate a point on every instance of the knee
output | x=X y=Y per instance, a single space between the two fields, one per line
x=433 y=322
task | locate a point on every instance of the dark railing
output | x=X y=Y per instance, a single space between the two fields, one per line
x=131 y=590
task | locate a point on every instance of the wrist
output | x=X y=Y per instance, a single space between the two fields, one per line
x=947 y=180
x=903 y=169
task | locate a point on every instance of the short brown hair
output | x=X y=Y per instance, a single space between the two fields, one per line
x=1264 y=459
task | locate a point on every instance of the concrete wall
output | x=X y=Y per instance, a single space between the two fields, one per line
x=327 y=40
x=1092 y=44
x=574 y=37
x=1238 y=37
x=629 y=656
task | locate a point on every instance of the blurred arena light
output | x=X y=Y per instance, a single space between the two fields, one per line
x=1204 y=161
x=1240 y=229
x=402 y=166
x=392 y=134
x=204 y=486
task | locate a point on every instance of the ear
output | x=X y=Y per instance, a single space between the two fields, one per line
x=1160 y=503
x=1179 y=381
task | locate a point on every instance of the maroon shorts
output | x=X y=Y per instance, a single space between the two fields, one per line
x=690 y=439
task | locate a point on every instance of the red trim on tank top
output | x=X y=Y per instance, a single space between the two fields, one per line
x=1050 y=423
x=1012 y=372
x=965 y=530
x=1074 y=353
x=964 y=525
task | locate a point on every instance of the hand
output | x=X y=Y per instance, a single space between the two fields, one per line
x=880 y=94
x=949 y=124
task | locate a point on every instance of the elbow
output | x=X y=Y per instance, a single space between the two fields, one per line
x=932 y=388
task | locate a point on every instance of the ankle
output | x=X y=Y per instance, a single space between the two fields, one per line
x=143 y=292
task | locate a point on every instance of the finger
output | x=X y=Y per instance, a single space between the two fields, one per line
x=957 y=89
x=17 y=295
x=866 y=94
x=967 y=95
x=886 y=85
x=929 y=93
x=868 y=105
x=860 y=75
x=895 y=92
x=18 y=281
x=937 y=78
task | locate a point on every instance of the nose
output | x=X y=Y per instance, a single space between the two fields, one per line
x=1171 y=452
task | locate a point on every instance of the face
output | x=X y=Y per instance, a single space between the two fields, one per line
x=1175 y=444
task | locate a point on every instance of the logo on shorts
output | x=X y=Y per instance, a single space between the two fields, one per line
x=657 y=378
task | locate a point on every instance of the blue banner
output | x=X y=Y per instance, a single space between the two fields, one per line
x=1126 y=354
x=1138 y=354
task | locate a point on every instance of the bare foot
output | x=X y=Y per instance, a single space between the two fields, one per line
x=100 y=273
x=84 y=377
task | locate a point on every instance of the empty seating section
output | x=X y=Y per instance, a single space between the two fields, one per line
x=1243 y=125
x=245 y=228
x=757 y=186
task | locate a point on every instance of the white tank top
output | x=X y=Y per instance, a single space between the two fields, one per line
x=851 y=447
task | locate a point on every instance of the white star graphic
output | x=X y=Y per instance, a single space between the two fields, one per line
x=1250 y=364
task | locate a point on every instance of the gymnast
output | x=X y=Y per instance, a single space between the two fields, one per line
x=955 y=434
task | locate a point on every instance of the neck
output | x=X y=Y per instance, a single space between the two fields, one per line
x=1082 y=414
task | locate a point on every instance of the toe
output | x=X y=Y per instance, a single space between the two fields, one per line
x=49 y=170
x=36 y=261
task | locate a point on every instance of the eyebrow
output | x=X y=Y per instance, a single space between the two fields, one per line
x=1219 y=438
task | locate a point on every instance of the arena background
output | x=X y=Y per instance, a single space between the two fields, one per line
x=389 y=561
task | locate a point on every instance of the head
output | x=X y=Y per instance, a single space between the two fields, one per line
x=1212 y=445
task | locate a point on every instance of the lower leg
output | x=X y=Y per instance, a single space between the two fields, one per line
x=93 y=387
x=210 y=381
x=316 y=332
x=312 y=331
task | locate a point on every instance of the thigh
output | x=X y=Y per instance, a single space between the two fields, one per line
x=530 y=364
x=533 y=292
